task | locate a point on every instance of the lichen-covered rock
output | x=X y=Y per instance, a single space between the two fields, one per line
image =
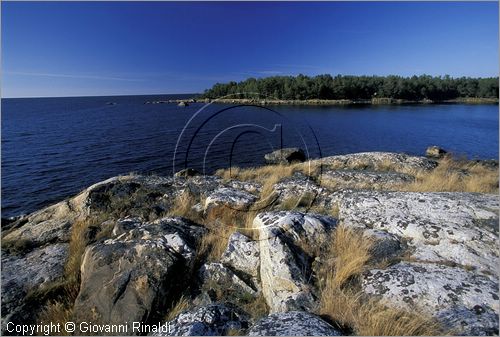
x=460 y=228
x=211 y=320
x=463 y=300
x=285 y=156
x=45 y=226
x=242 y=254
x=217 y=275
x=435 y=152
x=298 y=186
x=247 y=186
x=141 y=195
x=379 y=160
x=129 y=277
x=187 y=172
x=299 y=227
x=372 y=180
x=231 y=198
x=23 y=274
x=384 y=245
x=284 y=265
x=293 y=323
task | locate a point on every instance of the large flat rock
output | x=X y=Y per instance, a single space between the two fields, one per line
x=293 y=323
x=464 y=301
x=379 y=160
x=460 y=228
x=231 y=198
x=362 y=179
x=34 y=270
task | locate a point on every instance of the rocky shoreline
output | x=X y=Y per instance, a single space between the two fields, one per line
x=326 y=102
x=208 y=255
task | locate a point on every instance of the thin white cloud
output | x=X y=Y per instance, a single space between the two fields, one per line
x=299 y=66
x=91 y=77
x=259 y=72
x=269 y=72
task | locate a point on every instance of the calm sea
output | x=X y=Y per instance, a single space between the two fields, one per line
x=52 y=148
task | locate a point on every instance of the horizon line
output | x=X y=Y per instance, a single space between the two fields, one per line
x=114 y=95
x=257 y=78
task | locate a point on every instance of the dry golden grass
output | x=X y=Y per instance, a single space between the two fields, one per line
x=289 y=203
x=347 y=256
x=451 y=175
x=221 y=222
x=387 y=165
x=332 y=211
x=17 y=246
x=346 y=259
x=248 y=229
x=178 y=307
x=212 y=245
x=370 y=317
x=60 y=309
x=77 y=244
x=269 y=175
x=257 y=174
x=56 y=313
x=234 y=332
x=183 y=206
x=455 y=176
x=257 y=307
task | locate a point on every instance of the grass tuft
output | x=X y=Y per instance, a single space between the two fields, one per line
x=60 y=295
x=341 y=303
x=56 y=312
x=344 y=262
x=183 y=206
x=180 y=306
x=455 y=176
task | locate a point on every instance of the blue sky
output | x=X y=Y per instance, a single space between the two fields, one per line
x=89 y=48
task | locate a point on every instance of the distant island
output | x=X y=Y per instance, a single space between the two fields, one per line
x=326 y=89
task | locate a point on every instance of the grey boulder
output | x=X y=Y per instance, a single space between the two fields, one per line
x=24 y=274
x=216 y=275
x=284 y=265
x=211 y=320
x=293 y=323
x=231 y=198
x=435 y=152
x=187 y=172
x=242 y=254
x=285 y=156
x=129 y=277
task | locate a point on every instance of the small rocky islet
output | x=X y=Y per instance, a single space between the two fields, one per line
x=434 y=253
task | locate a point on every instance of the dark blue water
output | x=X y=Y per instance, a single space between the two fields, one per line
x=54 y=147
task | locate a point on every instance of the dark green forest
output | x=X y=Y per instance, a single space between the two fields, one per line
x=303 y=87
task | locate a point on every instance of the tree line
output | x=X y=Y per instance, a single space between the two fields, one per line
x=303 y=87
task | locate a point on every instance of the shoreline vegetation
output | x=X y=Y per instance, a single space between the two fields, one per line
x=331 y=102
x=346 y=90
x=355 y=88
